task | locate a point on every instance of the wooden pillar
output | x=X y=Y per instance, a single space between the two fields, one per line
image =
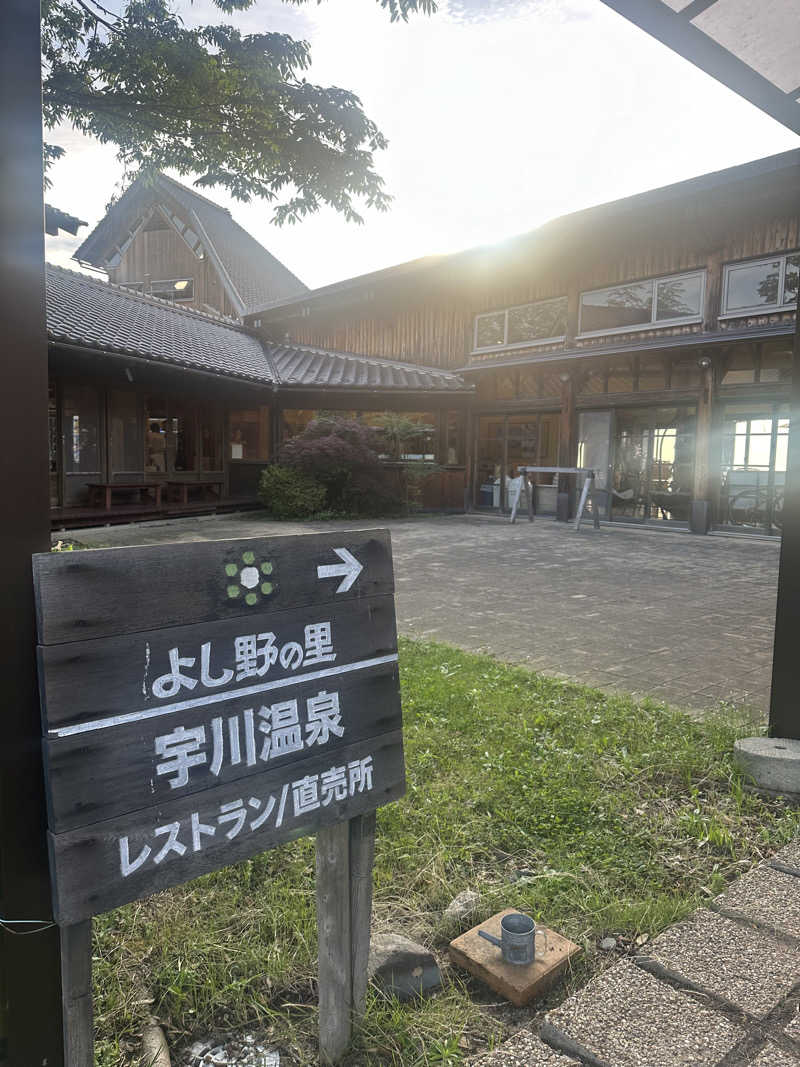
x=30 y=997
x=345 y=857
x=567 y=430
x=702 y=462
x=784 y=709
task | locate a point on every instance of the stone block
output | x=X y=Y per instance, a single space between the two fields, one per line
x=746 y=967
x=518 y=984
x=401 y=967
x=773 y=764
x=525 y=1049
x=766 y=896
x=627 y=1018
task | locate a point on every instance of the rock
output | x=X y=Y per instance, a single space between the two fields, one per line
x=401 y=967
x=608 y=944
x=463 y=906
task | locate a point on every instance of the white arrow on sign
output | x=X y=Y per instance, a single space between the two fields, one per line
x=348 y=570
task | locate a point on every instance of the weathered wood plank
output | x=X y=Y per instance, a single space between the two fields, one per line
x=362 y=859
x=88 y=864
x=76 y=993
x=83 y=681
x=123 y=761
x=113 y=591
x=333 y=936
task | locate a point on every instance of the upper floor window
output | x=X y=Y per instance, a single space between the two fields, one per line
x=761 y=284
x=639 y=305
x=545 y=320
x=173 y=289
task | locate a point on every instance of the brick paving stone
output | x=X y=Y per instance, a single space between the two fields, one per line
x=772 y=1056
x=524 y=1049
x=767 y=896
x=790 y=855
x=536 y=591
x=749 y=968
x=628 y=1018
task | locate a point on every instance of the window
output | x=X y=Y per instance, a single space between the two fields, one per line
x=763 y=284
x=637 y=305
x=249 y=434
x=545 y=320
x=173 y=289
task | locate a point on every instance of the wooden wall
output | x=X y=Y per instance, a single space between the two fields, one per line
x=434 y=324
x=158 y=255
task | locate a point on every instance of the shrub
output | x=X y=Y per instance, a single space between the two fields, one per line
x=342 y=455
x=288 y=493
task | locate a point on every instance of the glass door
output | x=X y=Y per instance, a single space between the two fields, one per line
x=490 y=445
x=755 y=439
x=653 y=466
x=82 y=441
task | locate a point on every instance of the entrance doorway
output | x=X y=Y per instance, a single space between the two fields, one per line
x=755 y=440
x=653 y=466
x=505 y=442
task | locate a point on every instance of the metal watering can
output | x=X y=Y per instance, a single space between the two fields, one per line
x=518 y=938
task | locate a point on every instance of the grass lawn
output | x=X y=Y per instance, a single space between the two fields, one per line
x=595 y=814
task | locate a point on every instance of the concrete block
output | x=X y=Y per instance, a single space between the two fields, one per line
x=627 y=1018
x=746 y=967
x=773 y=763
x=518 y=984
x=767 y=896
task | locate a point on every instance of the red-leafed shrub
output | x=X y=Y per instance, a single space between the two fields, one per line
x=343 y=455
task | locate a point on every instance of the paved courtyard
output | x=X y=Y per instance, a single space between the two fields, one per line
x=688 y=620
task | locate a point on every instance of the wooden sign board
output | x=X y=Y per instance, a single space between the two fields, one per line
x=204 y=702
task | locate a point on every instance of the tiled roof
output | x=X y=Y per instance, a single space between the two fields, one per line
x=305 y=366
x=55 y=219
x=252 y=274
x=85 y=311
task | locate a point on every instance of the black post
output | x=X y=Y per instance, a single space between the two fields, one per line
x=30 y=972
x=784 y=708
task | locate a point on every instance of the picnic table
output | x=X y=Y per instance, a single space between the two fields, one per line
x=181 y=489
x=104 y=490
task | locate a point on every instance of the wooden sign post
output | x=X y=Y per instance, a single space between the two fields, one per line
x=202 y=703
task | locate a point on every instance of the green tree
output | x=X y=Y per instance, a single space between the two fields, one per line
x=232 y=108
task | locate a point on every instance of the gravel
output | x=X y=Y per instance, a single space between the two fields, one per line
x=238 y=1051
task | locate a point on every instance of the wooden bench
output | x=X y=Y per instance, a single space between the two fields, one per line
x=181 y=489
x=103 y=490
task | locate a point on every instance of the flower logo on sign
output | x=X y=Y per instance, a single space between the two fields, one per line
x=250 y=579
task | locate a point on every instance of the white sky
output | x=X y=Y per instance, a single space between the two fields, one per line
x=500 y=115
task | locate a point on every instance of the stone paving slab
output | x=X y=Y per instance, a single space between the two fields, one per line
x=686 y=619
x=744 y=966
x=628 y=1018
x=793 y=1029
x=766 y=896
x=524 y=1049
x=789 y=855
x=772 y=1056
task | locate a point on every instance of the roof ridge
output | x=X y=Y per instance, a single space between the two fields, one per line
x=147 y=298
x=188 y=189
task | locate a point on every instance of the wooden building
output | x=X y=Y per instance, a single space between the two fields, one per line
x=160 y=409
x=648 y=338
x=163 y=239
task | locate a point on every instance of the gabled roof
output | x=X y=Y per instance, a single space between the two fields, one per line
x=251 y=275
x=89 y=313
